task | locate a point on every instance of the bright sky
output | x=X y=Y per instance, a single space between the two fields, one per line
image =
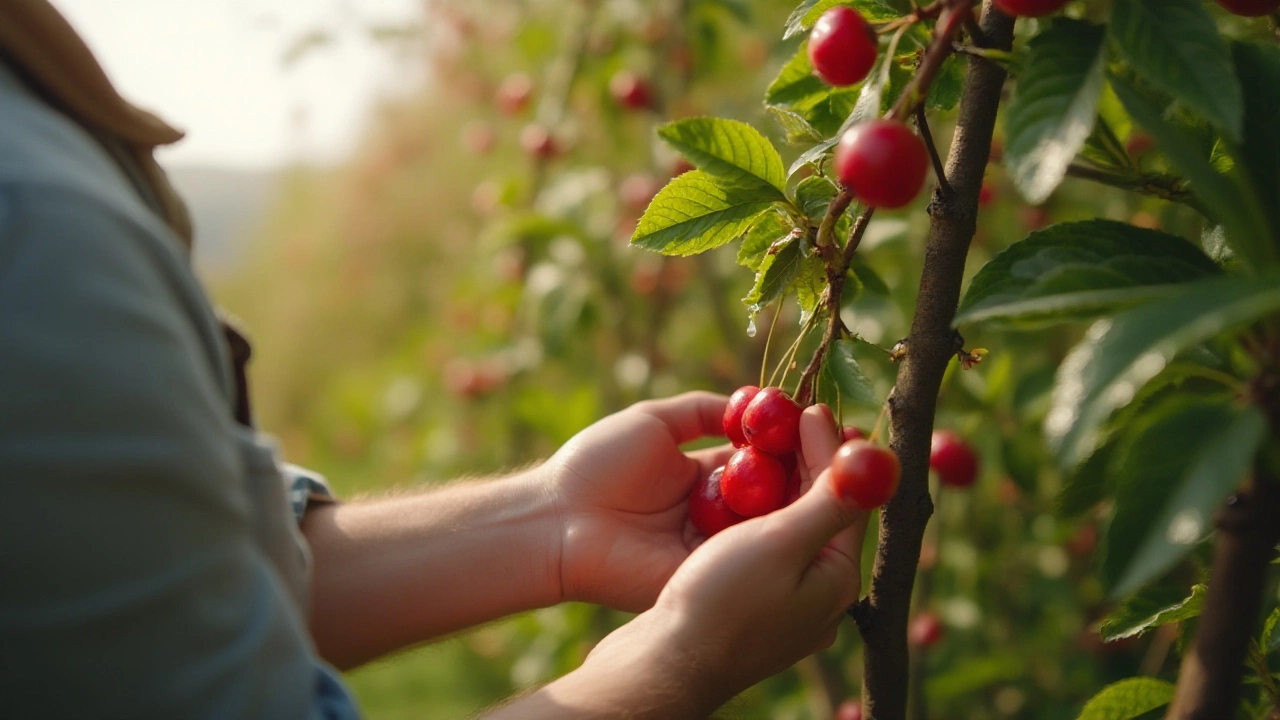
x=214 y=68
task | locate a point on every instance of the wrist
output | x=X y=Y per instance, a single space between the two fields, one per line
x=651 y=667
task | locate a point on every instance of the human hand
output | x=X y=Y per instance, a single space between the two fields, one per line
x=758 y=596
x=622 y=487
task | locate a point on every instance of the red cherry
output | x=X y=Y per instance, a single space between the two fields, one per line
x=479 y=138
x=1029 y=8
x=842 y=46
x=955 y=461
x=883 y=162
x=732 y=422
x=630 y=90
x=849 y=710
x=680 y=167
x=986 y=195
x=754 y=482
x=536 y=141
x=866 y=474
x=1250 y=8
x=514 y=93
x=793 y=488
x=925 y=630
x=771 y=422
x=708 y=511
x=853 y=433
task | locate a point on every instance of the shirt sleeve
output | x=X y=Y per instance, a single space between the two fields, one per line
x=305 y=488
x=131 y=580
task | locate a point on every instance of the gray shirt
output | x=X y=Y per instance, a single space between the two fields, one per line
x=150 y=566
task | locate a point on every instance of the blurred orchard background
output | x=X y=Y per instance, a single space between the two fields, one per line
x=431 y=300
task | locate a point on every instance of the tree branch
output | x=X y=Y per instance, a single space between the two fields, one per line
x=882 y=616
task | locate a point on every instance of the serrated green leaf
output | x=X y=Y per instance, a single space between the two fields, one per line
x=1118 y=356
x=847 y=375
x=775 y=275
x=693 y=214
x=1054 y=105
x=1150 y=609
x=1128 y=699
x=1180 y=462
x=1075 y=271
x=813 y=195
x=768 y=228
x=867 y=107
x=733 y=152
x=1228 y=197
x=810 y=283
x=1174 y=45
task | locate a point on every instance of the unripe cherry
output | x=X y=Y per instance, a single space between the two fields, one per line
x=953 y=459
x=866 y=474
x=754 y=482
x=771 y=422
x=1029 y=8
x=882 y=162
x=1250 y=8
x=708 y=512
x=732 y=421
x=842 y=46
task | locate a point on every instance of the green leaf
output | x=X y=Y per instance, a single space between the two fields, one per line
x=1128 y=699
x=813 y=195
x=1150 y=609
x=870 y=279
x=1075 y=271
x=1270 y=640
x=1175 y=46
x=775 y=275
x=847 y=375
x=1179 y=463
x=948 y=85
x=693 y=214
x=867 y=106
x=769 y=228
x=1228 y=197
x=1054 y=105
x=794 y=125
x=798 y=90
x=1118 y=356
x=810 y=282
x=1258 y=67
x=733 y=152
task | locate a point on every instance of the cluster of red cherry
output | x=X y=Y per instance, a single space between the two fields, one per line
x=763 y=474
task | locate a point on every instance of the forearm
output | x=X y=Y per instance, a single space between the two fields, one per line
x=393 y=572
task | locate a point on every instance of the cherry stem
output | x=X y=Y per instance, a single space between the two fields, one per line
x=768 y=341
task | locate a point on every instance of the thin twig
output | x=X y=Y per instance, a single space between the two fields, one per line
x=940 y=172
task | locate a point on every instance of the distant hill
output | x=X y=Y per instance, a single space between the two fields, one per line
x=226 y=206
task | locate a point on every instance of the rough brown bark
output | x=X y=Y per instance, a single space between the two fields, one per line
x=882 y=615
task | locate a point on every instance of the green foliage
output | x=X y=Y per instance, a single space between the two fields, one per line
x=1053 y=108
x=1119 y=355
x=694 y=213
x=796 y=90
x=734 y=153
x=1166 y=43
x=1151 y=608
x=1181 y=461
x=845 y=373
x=1128 y=699
x=1077 y=271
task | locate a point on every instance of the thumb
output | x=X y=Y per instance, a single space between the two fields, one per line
x=817 y=517
x=818 y=442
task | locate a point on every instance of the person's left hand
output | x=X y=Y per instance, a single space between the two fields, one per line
x=622 y=487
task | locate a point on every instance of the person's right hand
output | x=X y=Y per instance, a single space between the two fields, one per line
x=760 y=595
